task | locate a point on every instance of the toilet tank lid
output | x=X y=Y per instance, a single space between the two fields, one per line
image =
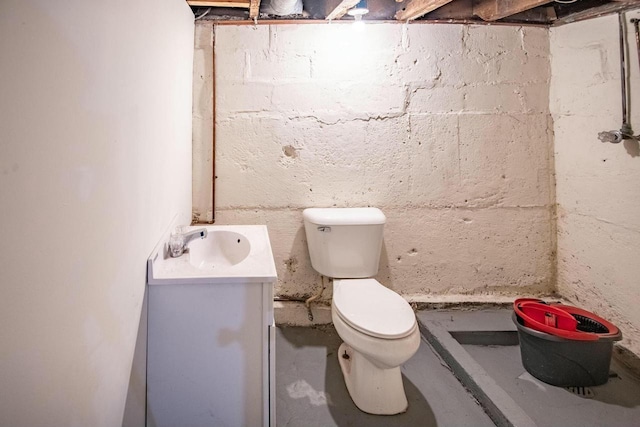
x=344 y=216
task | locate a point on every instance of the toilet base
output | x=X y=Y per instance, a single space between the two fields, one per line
x=373 y=390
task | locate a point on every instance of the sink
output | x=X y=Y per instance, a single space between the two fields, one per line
x=229 y=253
x=220 y=248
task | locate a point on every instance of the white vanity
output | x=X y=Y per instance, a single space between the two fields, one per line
x=210 y=354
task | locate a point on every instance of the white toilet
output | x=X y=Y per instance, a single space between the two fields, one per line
x=377 y=325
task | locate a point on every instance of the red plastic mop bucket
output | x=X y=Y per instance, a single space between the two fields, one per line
x=564 y=345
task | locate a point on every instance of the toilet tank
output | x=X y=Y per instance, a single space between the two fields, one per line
x=344 y=242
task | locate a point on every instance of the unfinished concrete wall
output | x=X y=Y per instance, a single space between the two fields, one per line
x=95 y=163
x=203 y=123
x=444 y=127
x=597 y=183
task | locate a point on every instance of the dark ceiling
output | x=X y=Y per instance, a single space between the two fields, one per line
x=518 y=12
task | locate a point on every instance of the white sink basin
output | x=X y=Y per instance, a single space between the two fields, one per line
x=220 y=248
x=229 y=254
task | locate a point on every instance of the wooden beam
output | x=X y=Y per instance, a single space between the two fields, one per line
x=254 y=8
x=240 y=22
x=463 y=9
x=457 y=9
x=220 y=3
x=540 y=15
x=413 y=9
x=492 y=10
x=341 y=9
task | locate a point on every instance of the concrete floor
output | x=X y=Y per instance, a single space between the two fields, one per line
x=616 y=403
x=496 y=376
x=311 y=392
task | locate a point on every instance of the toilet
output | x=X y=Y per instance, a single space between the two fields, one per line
x=377 y=325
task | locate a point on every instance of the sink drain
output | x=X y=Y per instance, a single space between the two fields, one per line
x=585 y=392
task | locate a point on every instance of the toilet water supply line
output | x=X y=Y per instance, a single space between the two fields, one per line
x=309 y=300
x=625 y=132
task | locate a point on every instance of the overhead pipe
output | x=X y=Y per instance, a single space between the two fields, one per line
x=281 y=7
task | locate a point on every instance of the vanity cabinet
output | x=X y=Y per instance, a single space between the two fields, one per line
x=210 y=350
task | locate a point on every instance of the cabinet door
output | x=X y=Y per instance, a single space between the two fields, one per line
x=206 y=352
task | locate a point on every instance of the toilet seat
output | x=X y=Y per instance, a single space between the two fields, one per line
x=373 y=309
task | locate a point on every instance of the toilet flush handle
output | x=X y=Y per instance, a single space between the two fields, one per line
x=324 y=229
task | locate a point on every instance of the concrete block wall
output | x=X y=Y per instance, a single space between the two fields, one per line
x=597 y=184
x=446 y=128
x=202 y=134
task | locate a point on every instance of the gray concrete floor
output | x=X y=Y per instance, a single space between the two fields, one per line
x=311 y=392
x=310 y=389
x=616 y=403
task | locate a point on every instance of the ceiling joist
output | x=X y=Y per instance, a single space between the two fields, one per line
x=413 y=9
x=254 y=9
x=492 y=10
x=340 y=10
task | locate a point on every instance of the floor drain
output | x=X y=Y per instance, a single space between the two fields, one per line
x=585 y=392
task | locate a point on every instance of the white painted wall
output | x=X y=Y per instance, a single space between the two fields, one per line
x=95 y=161
x=597 y=184
x=445 y=128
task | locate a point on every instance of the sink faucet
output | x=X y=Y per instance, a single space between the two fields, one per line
x=179 y=240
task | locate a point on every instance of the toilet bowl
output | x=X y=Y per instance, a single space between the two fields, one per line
x=380 y=333
x=377 y=325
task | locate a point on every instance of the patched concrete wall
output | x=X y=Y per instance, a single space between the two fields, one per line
x=597 y=184
x=445 y=128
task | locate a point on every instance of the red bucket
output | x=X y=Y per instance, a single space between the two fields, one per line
x=564 y=321
x=564 y=345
